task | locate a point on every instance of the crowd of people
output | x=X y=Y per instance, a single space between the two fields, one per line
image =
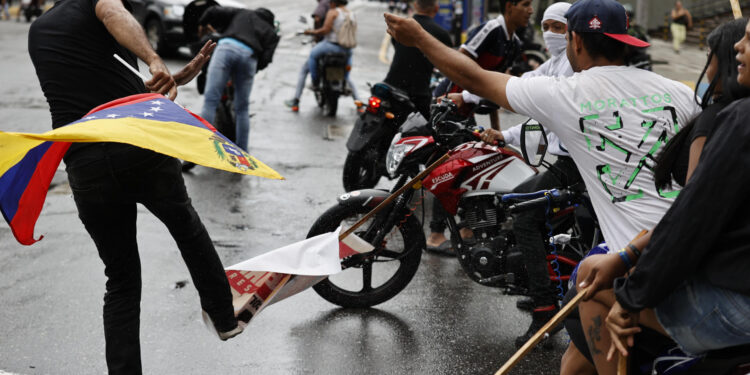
x=608 y=125
x=682 y=280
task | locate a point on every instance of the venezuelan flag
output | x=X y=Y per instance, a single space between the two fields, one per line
x=28 y=161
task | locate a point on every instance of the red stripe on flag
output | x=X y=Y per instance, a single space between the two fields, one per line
x=31 y=202
x=138 y=98
x=345 y=250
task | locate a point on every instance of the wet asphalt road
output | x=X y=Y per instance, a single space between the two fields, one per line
x=51 y=292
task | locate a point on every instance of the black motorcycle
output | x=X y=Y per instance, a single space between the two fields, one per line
x=332 y=69
x=31 y=9
x=368 y=143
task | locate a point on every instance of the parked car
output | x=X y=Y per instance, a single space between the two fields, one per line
x=163 y=20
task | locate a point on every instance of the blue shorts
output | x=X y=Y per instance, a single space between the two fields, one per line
x=701 y=317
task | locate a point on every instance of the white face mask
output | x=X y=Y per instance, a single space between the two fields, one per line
x=556 y=43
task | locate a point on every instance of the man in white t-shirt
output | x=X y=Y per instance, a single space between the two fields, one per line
x=529 y=225
x=612 y=118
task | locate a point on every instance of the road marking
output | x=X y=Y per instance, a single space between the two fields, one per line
x=383 y=55
x=7 y=373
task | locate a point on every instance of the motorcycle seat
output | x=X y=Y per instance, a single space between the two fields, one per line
x=732 y=360
x=381 y=88
x=333 y=59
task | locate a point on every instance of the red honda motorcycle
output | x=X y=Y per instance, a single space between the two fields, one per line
x=474 y=186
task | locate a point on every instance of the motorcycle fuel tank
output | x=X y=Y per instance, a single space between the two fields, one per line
x=477 y=168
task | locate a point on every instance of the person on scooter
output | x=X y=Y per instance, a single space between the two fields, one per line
x=329 y=31
x=678 y=161
x=248 y=42
x=529 y=224
x=597 y=113
x=494 y=46
x=410 y=70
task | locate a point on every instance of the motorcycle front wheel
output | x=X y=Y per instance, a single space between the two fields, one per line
x=361 y=170
x=378 y=277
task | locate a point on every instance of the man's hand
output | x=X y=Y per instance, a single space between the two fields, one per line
x=161 y=80
x=622 y=325
x=602 y=271
x=457 y=98
x=405 y=30
x=489 y=136
x=189 y=71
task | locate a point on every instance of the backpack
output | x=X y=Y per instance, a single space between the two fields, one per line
x=347 y=34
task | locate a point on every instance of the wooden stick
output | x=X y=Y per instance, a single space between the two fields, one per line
x=622 y=365
x=393 y=196
x=736 y=9
x=557 y=319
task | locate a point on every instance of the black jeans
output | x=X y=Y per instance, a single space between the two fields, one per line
x=108 y=180
x=530 y=232
x=439 y=215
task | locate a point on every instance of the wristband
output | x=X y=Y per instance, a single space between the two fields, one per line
x=635 y=250
x=625 y=258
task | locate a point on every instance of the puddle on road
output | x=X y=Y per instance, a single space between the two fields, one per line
x=338 y=131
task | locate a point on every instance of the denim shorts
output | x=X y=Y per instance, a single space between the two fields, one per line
x=701 y=317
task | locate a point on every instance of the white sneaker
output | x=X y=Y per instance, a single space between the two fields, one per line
x=224 y=336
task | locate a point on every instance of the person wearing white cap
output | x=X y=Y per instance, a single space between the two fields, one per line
x=529 y=224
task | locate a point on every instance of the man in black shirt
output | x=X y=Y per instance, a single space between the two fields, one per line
x=72 y=47
x=410 y=70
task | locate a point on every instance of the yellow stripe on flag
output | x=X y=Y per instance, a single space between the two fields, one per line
x=13 y=148
x=200 y=146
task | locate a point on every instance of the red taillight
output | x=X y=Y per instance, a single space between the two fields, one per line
x=373 y=104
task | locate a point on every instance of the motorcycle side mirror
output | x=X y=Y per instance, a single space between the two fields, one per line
x=533 y=143
x=485 y=107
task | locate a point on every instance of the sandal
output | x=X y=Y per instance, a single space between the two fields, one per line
x=445 y=248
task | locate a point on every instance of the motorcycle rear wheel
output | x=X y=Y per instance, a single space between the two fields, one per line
x=331 y=105
x=361 y=170
x=225 y=121
x=382 y=277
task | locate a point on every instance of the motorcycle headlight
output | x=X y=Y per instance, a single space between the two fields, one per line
x=174 y=12
x=395 y=155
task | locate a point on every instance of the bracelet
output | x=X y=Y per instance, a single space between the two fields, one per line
x=635 y=250
x=625 y=258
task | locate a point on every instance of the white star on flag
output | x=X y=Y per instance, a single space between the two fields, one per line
x=156 y=102
x=148 y=114
x=156 y=109
x=113 y=116
x=90 y=118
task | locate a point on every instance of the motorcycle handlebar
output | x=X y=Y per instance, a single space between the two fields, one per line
x=525 y=196
x=543 y=201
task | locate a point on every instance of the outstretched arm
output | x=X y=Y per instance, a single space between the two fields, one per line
x=129 y=33
x=458 y=67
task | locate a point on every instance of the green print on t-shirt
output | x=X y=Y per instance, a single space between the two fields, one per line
x=646 y=101
x=611 y=177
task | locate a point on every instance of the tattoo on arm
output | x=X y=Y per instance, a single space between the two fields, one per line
x=595 y=335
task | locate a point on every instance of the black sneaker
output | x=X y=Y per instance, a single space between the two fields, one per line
x=539 y=317
x=525 y=304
